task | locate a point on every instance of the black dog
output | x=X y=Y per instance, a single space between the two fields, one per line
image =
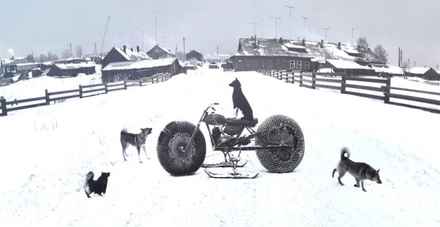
x=240 y=102
x=99 y=186
x=137 y=140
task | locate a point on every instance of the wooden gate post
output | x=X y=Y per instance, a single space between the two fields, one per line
x=300 y=79
x=47 y=97
x=387 y=90
x=343 y=84
x=313 y=80
x=80 y=91
x=3 y=106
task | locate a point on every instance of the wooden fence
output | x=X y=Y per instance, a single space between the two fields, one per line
x=379 y=88
x=83 y=91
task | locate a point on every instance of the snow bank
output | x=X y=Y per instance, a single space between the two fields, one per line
x=47 y=151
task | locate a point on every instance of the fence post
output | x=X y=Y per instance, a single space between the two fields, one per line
x=313 y=80
x=300 y=79
x=287 y=77
x=140 y=83
x=387 y=90
x=125 y=85
x=47 y=97
x=80 y=91
x=106 y=88
x=343 y=84
x=3 y=106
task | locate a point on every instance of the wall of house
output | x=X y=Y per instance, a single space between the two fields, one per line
x=254 y=63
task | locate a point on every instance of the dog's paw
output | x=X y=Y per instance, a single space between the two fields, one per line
x=356 y=185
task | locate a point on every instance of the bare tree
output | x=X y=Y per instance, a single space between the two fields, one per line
x=362 y=45
x=66 y=54
x=381 y=53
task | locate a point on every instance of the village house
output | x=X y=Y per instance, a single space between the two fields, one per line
x=194 y=55
x=136 y=70
x=71 y=69
x=426 y=73
x=124 y=54
x=158 y=52
x=270 y=54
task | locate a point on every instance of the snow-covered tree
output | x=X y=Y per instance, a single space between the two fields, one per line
x=381 y=53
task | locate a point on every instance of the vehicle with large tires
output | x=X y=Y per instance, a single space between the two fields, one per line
x=278 y=142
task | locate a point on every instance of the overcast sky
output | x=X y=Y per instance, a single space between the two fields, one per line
x=50 y=25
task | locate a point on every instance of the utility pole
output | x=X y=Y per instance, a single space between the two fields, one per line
x=326 y=29
x=184 y=47
x=290 y=8
x=352 y=34
x=218 y=52
x=155 y=28
x=276 y=20
x=254 y=26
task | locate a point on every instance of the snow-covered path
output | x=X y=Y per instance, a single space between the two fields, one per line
x=47 y=151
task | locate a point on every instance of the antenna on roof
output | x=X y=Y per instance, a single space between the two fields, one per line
x=290 y=8
x=105 y=33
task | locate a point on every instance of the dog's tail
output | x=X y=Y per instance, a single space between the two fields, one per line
x=343 y=152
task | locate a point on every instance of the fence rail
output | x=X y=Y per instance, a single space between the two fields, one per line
x=363 y=86
x=83 y=91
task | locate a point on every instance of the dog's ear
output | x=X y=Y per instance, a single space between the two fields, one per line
x=377 y=171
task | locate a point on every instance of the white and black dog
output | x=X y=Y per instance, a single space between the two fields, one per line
x=98 y=186
x=137 y=140
x=359 y=170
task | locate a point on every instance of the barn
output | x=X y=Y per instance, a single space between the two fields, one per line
x=256 y=54
x=136 y=70
x=158 y=52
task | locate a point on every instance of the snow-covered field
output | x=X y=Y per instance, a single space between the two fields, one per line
x=47 y=151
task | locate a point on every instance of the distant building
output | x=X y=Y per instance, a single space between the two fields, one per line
x=124 y=55
x=270 y=54
x=136 y=70
x=158 y=52
x=71 y=69
x=426 y=73
x=349 y=68
x=194 y=55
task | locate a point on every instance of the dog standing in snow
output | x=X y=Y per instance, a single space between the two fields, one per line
x=98 y=186
x=240 y=102
x=137 y=140
x=359 y=170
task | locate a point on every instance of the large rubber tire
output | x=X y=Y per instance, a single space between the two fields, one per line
x=280 y=160
x=173 y=158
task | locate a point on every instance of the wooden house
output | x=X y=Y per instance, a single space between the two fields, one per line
x=194 y=55
x=136 y=70
x=124 y=54
x=158 y=52
x=426 y=73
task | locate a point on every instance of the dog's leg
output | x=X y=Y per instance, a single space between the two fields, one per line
x=341 y=174
x=334 y=171
x=145 y=151
x=123 y=152
x=363 y=189
x=139 y=152
x=357 y=183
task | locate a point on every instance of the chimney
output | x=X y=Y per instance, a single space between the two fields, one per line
x=131 y=49
x=322 y=43
x=124 y=48
x=138 y=48
x=339 y=45
x=304 y=42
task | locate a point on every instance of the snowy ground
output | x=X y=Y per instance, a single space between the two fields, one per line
x=47 y=151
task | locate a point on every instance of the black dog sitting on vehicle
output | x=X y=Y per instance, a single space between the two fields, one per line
x=99 y=186
x=240 y=102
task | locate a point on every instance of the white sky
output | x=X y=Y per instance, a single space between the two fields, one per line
x=49 y=25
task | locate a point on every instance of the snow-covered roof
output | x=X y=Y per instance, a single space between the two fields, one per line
x=389 y=69
x=343 y=64
x=144 y=64
x=270 y=47
x=294 y=46
x=75 y=65
x=134 y=55
x=417 y=70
